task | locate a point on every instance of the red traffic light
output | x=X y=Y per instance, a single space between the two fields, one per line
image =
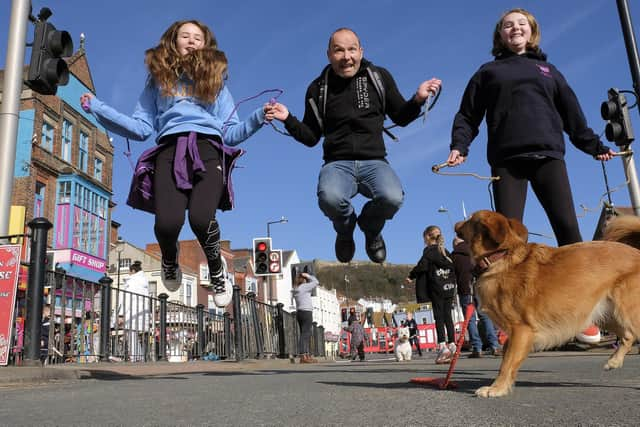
x=261 y=246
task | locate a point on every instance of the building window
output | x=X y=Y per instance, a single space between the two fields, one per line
x=125 y=263
x=64 y=193
x=153 y=289
x=46 y=139
x=83 y=152
x=67 y=135
x=97 y=168
x=38 y=206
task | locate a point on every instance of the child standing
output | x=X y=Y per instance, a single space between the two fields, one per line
x=187 y=104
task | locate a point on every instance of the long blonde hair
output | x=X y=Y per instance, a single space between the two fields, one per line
x=205 y=67
x=533 y=44
x=428 y=236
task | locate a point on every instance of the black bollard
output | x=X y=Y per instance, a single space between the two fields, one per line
x=321 y=345
x=35 y=290
x=314 y=342
x=105 y=316
x=237 y=323
x=162 y=353
x=282 y=339
x=201 y=337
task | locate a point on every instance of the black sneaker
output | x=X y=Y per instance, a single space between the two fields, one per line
x=376 y=249
x=345 y=247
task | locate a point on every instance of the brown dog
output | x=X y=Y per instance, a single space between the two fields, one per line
x=543 y=296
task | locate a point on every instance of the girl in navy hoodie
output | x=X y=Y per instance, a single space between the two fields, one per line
x=528 y=104
x=186 y=103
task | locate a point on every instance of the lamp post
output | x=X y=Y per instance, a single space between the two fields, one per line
x=282 y=220
x=119 y=250
x=442 y=209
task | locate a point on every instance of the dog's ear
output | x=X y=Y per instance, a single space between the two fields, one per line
x=496 y=227
x=519 y=229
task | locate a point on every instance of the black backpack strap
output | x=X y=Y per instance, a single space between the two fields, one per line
x=376 y=80
x=319 y=107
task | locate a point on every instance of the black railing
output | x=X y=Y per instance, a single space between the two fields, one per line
x=73 y=320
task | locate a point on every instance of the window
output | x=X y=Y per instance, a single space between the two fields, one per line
x=38 y=208
x=153 y=289
x=97 y=168
x=46 y=139
x=125 y=263
x=67 y=135
x=83 y=152
x=64 y=192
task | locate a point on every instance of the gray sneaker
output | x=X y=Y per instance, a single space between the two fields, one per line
x=171 y=274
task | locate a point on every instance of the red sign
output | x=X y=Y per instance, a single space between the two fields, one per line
x=9 y=272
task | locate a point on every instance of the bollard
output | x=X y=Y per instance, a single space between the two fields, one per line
x=282 y=339
x=314 y=342
x=237 y=323
x=105 y=315
x=256 y=325
x=35 y=290
x=201 y=338
x=321 y=344
x=227 y=335
x=162 y=351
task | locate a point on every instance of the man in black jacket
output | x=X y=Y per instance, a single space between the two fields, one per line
x=348 y=104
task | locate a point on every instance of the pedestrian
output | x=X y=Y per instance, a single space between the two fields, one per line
x=437 y=268
x=463 y=268
x=187 y=104
x=527 y=103
x=305 y=283
x=347 y=104
x=357 y=339
x=136 y=314
x=413 y=332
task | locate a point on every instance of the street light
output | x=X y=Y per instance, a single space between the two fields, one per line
x=282 y=220
x=442 y=209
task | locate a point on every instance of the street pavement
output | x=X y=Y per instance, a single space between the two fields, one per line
x=553 y=388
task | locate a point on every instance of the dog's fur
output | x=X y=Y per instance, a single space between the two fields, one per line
x=403 y=346
x=543 y=296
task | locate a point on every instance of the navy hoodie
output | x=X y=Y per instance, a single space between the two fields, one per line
x=528 y=104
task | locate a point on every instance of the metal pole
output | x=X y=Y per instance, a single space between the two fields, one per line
x=11 y=89
x=634 y=65
x=105 y=316
x=162 y=354
x=35 y=290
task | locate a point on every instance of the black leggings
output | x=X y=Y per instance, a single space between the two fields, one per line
x=305 y=321
x=442 y=313
x=549 y=182
x=202 y=201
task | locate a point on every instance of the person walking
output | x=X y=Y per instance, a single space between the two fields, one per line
x=305 y=283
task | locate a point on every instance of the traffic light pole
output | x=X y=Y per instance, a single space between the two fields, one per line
x=634 y=64
x=11 y=90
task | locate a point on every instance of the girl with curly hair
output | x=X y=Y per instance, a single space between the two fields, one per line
x=186 y=103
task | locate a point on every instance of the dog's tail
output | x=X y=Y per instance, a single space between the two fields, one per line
x=624 y=229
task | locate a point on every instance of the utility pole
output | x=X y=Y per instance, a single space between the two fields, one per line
x=634 y=64
x=11 y=89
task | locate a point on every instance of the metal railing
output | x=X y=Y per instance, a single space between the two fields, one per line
x=84 y=322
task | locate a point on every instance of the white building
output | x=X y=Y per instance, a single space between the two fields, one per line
x=326 y=310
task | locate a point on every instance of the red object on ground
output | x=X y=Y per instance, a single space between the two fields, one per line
x=445 y=383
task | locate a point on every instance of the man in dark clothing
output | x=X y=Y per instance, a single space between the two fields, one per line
x=348 y=104
x=413 y=332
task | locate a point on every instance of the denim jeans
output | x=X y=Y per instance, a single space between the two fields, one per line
x=342 y=180
x=474 y=334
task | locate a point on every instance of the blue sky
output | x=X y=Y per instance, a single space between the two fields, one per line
x=282 y=44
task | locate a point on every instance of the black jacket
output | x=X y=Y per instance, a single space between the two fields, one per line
x=463 y=268
x=528 y=104
x=354 y=118
x=430 y=255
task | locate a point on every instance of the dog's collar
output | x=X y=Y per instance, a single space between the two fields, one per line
x=486 y=260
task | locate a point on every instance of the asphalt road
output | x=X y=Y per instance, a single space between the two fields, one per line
x=553 y=389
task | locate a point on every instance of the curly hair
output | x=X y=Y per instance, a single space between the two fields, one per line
x=533 y=44
x=206 y=68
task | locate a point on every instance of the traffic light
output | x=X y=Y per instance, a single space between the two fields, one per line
x=261 y=250
x=47 y=69
x=616 y=111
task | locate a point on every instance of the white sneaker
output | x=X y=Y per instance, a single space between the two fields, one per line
x=444 y=355
x=453 y=348
x=222 y=289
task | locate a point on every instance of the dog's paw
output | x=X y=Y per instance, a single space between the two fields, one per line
x=612 y=364
x=491 y=391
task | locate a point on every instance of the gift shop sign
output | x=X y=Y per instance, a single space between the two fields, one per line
x=9 y=271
